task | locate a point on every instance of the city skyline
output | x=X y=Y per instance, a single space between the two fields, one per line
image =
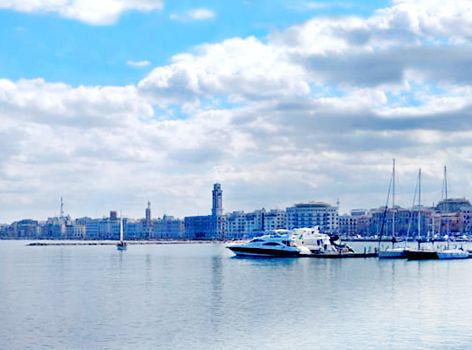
x=217 y=192
x=116 y=103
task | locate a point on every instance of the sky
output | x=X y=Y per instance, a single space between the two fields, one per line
x=110 y=104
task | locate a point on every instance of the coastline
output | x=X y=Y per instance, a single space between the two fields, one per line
x=99 y=243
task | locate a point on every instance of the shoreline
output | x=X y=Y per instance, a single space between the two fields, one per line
x=100 y=243
x=43 y=243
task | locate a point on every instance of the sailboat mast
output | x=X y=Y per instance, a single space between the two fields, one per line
x=419 y=206
x=447 y=207
x=121 y=227
x=393 y=204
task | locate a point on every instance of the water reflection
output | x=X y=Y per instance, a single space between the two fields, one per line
x=200 y=296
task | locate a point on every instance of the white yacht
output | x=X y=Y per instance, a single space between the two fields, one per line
x=456 y=253
x=392 y=253
x=268 y=245
x=318 y=243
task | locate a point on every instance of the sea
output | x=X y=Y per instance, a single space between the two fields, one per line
x=201 y=297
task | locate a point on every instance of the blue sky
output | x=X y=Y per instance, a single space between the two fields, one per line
x=71 y=51
x=114 y=103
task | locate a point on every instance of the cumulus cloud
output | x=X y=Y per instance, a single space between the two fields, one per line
x=314 y=111
x=342 y=86
x=96 y=12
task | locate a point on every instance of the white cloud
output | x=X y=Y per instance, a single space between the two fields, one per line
x=313 y=5
x=314 y=112
x=201 y=14
x=193 y=15
x=96 y=12
x=236 y=68
x=138 y=63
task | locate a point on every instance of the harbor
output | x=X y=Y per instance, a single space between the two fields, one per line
x=152 y=291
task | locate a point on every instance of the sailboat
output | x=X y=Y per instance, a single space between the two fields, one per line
x=450 y=253
x=436 y=253
x=393 y=252
x=121 y=245
x=421 y=253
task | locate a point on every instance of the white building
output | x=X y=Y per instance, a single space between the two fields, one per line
x=234 y=225
x=275 y=220
x=313 y=214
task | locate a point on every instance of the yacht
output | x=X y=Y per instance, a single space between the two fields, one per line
x=268 y=245
x=439 y=254
x=392 y=253
x=318 y=243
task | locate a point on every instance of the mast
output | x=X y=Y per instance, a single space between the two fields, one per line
x=419 y=208
x=393 y=204
x=447 y=207
x=121 y=227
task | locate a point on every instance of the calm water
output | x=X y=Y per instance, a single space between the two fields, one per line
x=201 y=297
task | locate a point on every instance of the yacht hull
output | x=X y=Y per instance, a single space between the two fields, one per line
x=392 y=254
x=249 y=251
x=453 y=254
x=421 y=255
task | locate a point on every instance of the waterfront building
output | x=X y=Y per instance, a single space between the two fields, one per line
x=24 y=229
x=394 y=219
x=91 y=229
x=254 y=224
x=452 y=205
x=75 y=231
x=217 y=199
x=4 y=231
x=466 y=220
x=55 y=228
x=313 y=214
x=200 y=227
x=235 y=228
x=209 y=226
x=450 y=224
x=347 y=225
x=275 y=219
x=168 y=228
x=148 y=222
x=357 y=213
x=133 y=229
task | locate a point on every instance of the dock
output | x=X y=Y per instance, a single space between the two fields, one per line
x=340 y=255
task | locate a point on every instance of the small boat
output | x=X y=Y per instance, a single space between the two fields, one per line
x=453 y=254
x=392 y=253
x=121 y=245
x=268 y=245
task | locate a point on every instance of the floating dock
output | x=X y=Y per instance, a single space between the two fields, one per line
x=340 y=256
